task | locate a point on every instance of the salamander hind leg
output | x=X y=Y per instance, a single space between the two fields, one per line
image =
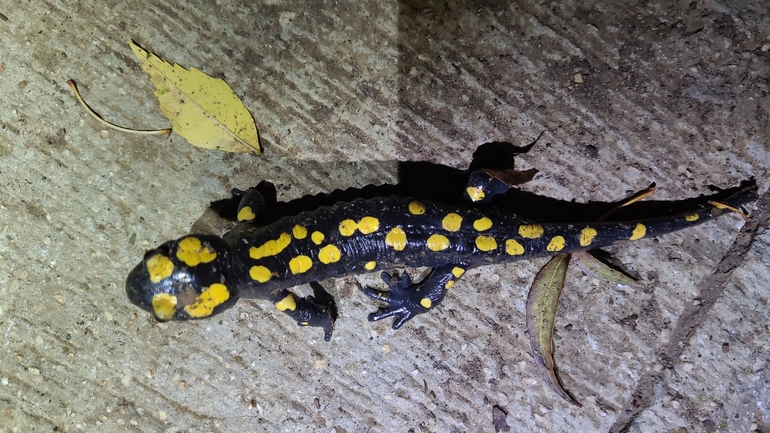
x=308 y=311
x=406 y=300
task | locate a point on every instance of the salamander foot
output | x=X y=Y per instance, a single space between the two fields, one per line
x=405 y=300
x=318 y=315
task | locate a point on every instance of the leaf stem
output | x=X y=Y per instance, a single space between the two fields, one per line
x=96 y=116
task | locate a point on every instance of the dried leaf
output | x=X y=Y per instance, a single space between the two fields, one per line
x=203 y=110
x=542 y=302
x=641 y=195
x=595 y=268
x=512 y=177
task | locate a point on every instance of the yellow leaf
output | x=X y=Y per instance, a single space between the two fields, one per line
x=203 y=110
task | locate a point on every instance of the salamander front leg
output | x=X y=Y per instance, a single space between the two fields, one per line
x=250 y=205
x=406 y=300
x=307 y=311
x=482 y=188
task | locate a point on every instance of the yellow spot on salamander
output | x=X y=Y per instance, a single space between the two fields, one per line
x=531 y=231
x=246 y=214
x=208 y=300
x=368 y=224
x=475 y=194
x=163 y=306
x=639 y=231
x=486 y=243
x=416 y=208
x=425 y=302
x=159 y=267
x=556 y=244
x=451 y=222
x=691 y=217
x=287 y=303
x=260 y=274
x=299 y=232
x=513 y=248
x=317 y=238
x=438 y=242
x=396 y=239
x=587 y=236
x=370 y=265
x=458 y=272
x=329 y=254
x=300 y=264
x=192 y=253
x=271 y=247
x=482 y=224
x=449 y=284
x=348 y=227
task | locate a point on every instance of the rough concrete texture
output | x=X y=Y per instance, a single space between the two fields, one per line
x=672 y=92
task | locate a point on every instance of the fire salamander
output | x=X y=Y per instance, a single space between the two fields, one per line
x=198 y=276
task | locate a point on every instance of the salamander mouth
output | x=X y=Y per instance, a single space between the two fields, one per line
x=136 y=287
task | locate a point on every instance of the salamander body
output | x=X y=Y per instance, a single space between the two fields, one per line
x=197 y=276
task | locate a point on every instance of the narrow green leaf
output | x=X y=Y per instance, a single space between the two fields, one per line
x=542 y=303
x=595 y=268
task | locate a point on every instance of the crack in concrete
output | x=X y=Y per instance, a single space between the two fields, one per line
x=711 y=288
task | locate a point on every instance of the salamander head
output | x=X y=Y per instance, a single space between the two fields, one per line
x=189 y=278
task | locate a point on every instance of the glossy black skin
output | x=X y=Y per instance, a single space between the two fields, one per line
x=405 y=299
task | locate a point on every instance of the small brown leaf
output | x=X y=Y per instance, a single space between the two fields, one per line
x=542 y=303
x=512 y=177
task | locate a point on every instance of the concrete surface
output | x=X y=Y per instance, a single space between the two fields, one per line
x=672 y=92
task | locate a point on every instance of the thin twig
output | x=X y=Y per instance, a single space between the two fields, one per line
x=719 y=205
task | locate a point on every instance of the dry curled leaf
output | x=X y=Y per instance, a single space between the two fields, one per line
x=513 y=177
x=204 y=110
x=542 y=303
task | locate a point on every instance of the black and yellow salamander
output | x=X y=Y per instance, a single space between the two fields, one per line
x=198 y=276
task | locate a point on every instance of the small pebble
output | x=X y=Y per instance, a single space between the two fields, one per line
x=578 y=78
